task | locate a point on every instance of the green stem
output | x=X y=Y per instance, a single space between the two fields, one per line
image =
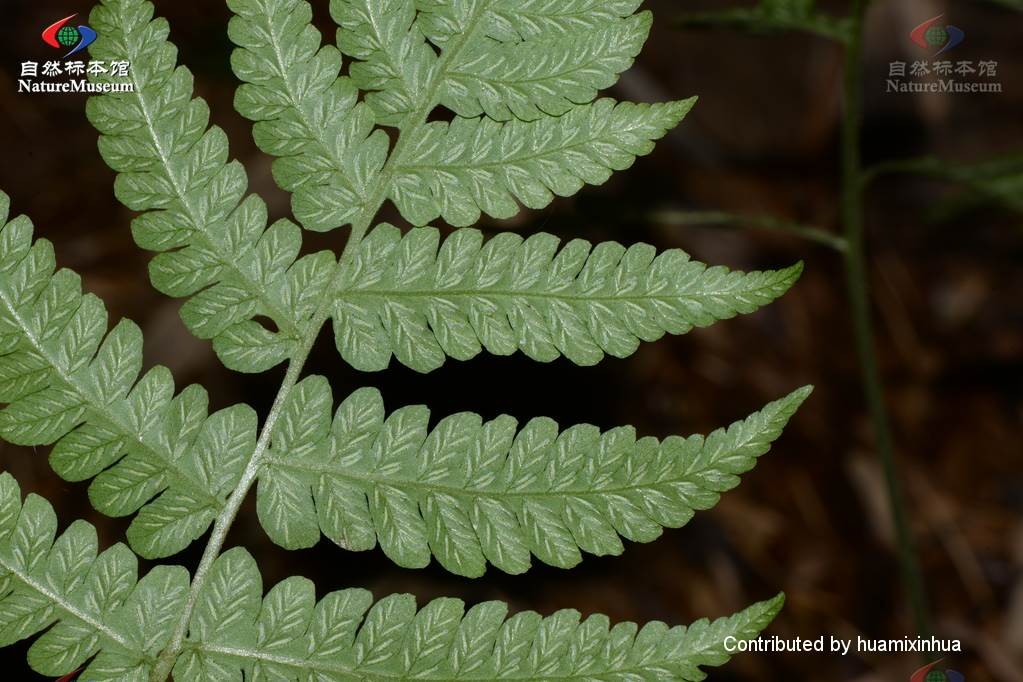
x=725 y=219
x=924 y=165
x=758 y=20
x=859 y=298
x=225 y=519
x=165 y=663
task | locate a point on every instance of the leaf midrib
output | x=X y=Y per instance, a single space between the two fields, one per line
x=597 y=135
x=317 y=134
x=99 y=410
x=557 y=296
x=60 y=602
x=255 y=289
x=427 y=488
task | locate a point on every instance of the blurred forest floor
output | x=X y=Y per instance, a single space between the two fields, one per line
x=811 y=519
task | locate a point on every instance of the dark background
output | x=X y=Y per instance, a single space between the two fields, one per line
x=811 y=519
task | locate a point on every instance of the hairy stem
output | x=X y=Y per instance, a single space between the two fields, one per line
x=165 y=662
x=224 y=520
x=859 y=299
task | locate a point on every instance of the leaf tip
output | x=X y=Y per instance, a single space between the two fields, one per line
x=774 y=605
x=770 y=609
x=800 y=394
x=794 y=272
x=682 y=107
x=763 y=613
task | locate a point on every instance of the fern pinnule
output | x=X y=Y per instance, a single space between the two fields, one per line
x=470 y=492
x=213 y=242
x=422 y=300
x=67 y=381
x=91 y=606
x=97 y=614
x=345 y=636
x=330 y=154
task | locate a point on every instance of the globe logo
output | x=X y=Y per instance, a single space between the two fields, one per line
x=930 y=673
x=931 y=34
x=935 y=36
x=68 y=36
x=59 y=34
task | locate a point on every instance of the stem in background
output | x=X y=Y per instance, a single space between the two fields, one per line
x=924 y=165
x=724 y=219
x=859 y=299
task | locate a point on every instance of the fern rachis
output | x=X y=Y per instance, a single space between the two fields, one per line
x=522 y=79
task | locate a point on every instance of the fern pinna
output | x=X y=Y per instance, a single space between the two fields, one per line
x=521 y=80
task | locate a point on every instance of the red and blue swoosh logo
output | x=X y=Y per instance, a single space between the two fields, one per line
x=931 y=34
x=60 y=34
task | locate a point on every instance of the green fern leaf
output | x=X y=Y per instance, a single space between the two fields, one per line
x=64 y=382
x=325 y=139
x=545 y=72
x=396 y=67
x=437 y=169
x=93 y=606
x=407 y=297
x=456 y=170
x=521 y=59
x=214 y=243
x=88 y=604
x=344 y=636
x=522 y=80
x=469 y=492
x=510 y=22
x=330 y=155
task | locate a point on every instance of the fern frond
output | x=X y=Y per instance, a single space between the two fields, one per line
x=472 y=165
x=459 y=169
x=214 y=243
x=469 y=492
x=775 y=15
x=330 y=154
x=94 y=607
x=395 y=65
x=528 y=59
x=542 y=73
x=522 y=80
x=289 y=636
x=88 y=604
x=311 y=118
x=64 y=382
x=403 y=295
